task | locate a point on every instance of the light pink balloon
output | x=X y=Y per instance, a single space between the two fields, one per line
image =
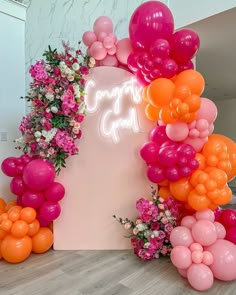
x=194 y=133
x=224 y=256
x=197 y=256
x=207 y=111
x=97 y=50
x=200 y=277
x=220 y=230
x=207 y=258
x=112 y=50
x=196 y=143
x=108 y=42
x=177 y=131
x=101 y=36
x=202 y=124
x=88 y=38
x=182 y=272
x=196 y=247
x=123 y=50
x=206 y=215
x=110 y=61
x=181 y=236
x=103 y=24
x=188 y=221
x=181 y=257
x=204 y=232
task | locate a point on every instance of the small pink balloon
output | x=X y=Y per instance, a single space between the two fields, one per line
x=101 y=36
x=207 y=111
x=188 y=221
x=224 y=260
x=206 y=215
x=177 y=131
x=220 y=230
x=200 y=277
x=108 y=42
x=103 y=24
x=155 y=173
x=17 y=186
x=112 y=51
x=181 y=257
x=207 y=258
x=211 y=128
x=97 y=50
x=204 y=232
x=123 y=50
x=196 y=247
x=194 y=133
x=109 y=61
x=197 y=256
x=202 y=124
x=196 y=143
x=182 y=272
x=204 y=134
x=88 y=38
x=181 y=236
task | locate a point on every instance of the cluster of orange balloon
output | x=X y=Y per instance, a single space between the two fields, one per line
x=20 y=233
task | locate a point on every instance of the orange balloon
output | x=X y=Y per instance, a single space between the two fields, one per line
x=14 y=215
x=10 y=204
x=166 y=115
x=182 y=92
x=0 y=249
x=15 y=250
x=194 y=102
x=201 y=160
x=3 y=216
x=160 y=92
x=152 y=113
x=42 y=241
x=144 y=94
x=34 y=228
x=193 y=79
x=180 y=189
x=164 y=193
x=6 y=225
x=2 y=205
x=198 y=202
x=19 y=229
x=218 y=175
x=28 y=214
x=3 y=233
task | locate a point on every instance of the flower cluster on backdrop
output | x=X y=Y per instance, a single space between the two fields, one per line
x=56 y=95
x=151 y=231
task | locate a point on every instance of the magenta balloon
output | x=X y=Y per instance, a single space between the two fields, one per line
x=25 y=159
x=19 y=201
x=32 y=199
x=184 y=45
x=186 y=150
x=55 y=192
x=200 y=277
x=218 y=213
x=228 y=217
x=185 y=172
x=169 y=68
x=132 y=62
x=42 y=221
x=151 y=20
x=155 y=173
x=9 y=166
x=172 y=173
x=193 y=164
x=160 y=48
x=188 y=65
x=17 y=186
x=39 y=174
x=158 y=135
x=167 y=156
x=149 y=152
x=224 y=260
x=50 y=210
x=231 y=234
x=181 y=257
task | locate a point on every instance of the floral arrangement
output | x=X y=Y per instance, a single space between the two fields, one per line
x=150 y=235
x=56 y=95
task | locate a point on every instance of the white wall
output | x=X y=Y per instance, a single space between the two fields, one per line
x=12 y=80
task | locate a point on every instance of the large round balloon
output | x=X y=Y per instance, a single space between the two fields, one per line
x=39 y=174
x=150 y=21
x=42 y=241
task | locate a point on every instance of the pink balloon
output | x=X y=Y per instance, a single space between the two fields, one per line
x=181 y=257
x=103 y=24
x=149 y=152
x=182 y=272
x=202 y=124
x=155 y=173
x=220 y=230
x=206 y=215
x=188 y=221
x=204 y=232
x=231 y=234
x=109 y=61
x=97 y=50
x=207 y=111
x=9 y=166
x=39 y=174
x=177 y=131
x=158 y=135
x=150 y=21
x=169 y=68
x=123 y=50
x=185 y=66
x=207 y=258
x=32 y=199
x=160 y=48
x=184 y=45
x=168 y=156
x=42 y=221
x=108 y=42
x=197 y=256
x=196 y=247
x=200 y=277
x=88 y=38
x=196 y=143
x=101 y=36
x=19 y=201
x=55 y=192
x=112 y=51
x=50 y=210
x=224 y=260
x=17 y=186
x=181 y=236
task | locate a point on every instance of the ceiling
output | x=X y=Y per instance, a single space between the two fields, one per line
x=216 y=58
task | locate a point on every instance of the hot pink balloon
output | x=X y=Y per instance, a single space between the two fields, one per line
x=204 y=232
x=158 y=135
x=17 y=186
x=181 y=257
x=88 y=38
x=42 y=221
x=103 y=24
x=160 y=48
x=231 y=234
x=123 y=50
x=97 y=50
x=55 y=192
x=224 y=260
x=149 y=152
x=177 y=131
x=181 y=236
x=184 y=45
x=185 y=66
x=39 y=174
x=50 y=210
x=32 y=199
x=228 y=217
x=207 y=111
x=150 y=21
x=200 y=277
x=9 y=166
x=155 y=173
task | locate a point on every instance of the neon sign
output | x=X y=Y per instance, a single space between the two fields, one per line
x=115 y=117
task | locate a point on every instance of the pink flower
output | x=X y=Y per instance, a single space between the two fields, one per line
x=168 y=228
x=155 y=225
x=135 y=231
x=79 y=118
x=33 y=147
x=84 y=70
x=127 y=226
x=164 y=250
x=56 y=71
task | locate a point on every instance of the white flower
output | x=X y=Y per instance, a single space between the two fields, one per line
x=146 y=245
x=168 y=213
x=20 y=140
x=141 y=227
x=54 y=109
x=156 y=233
x=50 y=134
x=49 y=96
x=76 y=90
x=75 y=66
x=44 y=133
x=68 y=71
x=37 y=134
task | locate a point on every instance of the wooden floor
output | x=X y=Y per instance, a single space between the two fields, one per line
x=97 y=273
